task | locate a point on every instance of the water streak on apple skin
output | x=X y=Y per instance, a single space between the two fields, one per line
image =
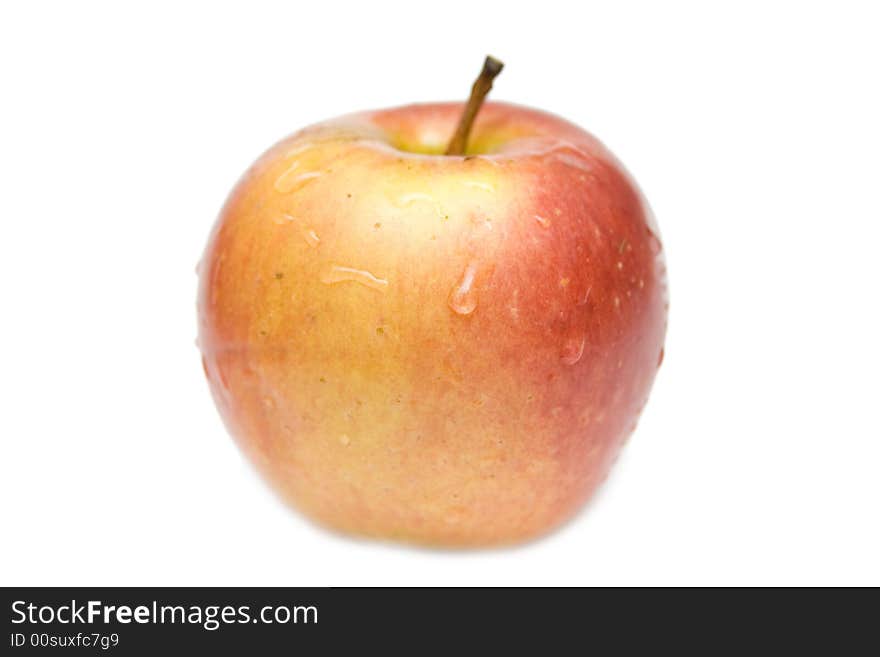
x=583 y=300
x=573 y=350
x=411 y=198
x=405 y=200
x=575 y=161
x=463 y=298
x=340 y=274
x=309 y=235
x=545 y=223
x=291 y=180
x=486 y=187
x=299 y=149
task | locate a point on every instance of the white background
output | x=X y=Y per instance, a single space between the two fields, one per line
x=752 y=129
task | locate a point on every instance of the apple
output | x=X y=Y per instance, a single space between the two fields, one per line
x=446 y=346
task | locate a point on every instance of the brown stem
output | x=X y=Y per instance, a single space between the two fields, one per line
x=483 y=84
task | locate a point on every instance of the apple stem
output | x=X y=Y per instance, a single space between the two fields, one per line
x=483 y=84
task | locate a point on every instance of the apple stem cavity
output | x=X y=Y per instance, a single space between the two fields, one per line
x=482 y=86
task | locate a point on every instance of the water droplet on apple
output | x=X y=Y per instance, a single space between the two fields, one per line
x=284 y=219
x=463 y=298
x=339 y=274
x=311 y=237
x=586 y=295
x=545 y=223
x=344 y=440
x=405 y=200
x=572 y=350
x=298 y=149
x=412 y=198
x=575 y=159
x=292 y=180
x=484 y=186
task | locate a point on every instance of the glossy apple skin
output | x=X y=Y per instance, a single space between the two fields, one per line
x=441 y=350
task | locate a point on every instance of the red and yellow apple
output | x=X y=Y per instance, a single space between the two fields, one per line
x=448 y=350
